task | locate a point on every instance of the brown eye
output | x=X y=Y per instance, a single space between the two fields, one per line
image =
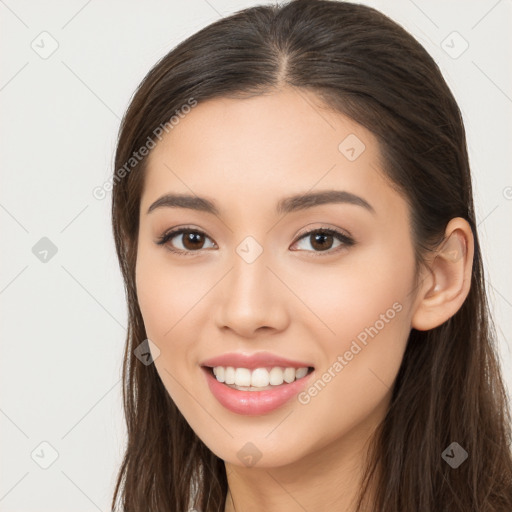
x=325 y=239
x=192 y=240
x=321 y=241
x=186 y=241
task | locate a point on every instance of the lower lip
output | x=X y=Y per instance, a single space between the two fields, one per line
x=252 y=403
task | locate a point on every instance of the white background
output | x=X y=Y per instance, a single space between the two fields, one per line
x=64 y=321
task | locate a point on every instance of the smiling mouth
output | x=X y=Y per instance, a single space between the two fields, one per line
x=261 y=379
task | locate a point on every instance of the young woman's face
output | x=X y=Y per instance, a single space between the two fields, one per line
x=262 y=278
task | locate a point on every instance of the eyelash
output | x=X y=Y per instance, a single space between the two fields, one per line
x=345 y=240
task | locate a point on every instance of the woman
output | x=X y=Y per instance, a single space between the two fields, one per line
x=308 y=327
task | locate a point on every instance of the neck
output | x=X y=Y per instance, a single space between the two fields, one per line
x=329 y=478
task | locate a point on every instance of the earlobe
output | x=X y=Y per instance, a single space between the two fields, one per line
x=450 y=277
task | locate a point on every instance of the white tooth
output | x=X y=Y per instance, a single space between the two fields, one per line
x=260 y=377
x=219 y=373
x=242 y=377
x=289 y=375
x=301 y=372
x=229 y=375
x=276 y=376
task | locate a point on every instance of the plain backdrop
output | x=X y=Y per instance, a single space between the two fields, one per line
x=68 y=70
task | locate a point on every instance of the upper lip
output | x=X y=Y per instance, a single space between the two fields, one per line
x=252 y=361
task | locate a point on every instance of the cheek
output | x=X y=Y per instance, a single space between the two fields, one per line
x=167 y=294
x=175 y=303
x=168 y=299
x=353 y=300
x=368 y=308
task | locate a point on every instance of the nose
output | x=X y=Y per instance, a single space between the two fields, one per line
x=251 y=299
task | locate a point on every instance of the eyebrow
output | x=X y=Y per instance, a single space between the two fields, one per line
x=286 y=205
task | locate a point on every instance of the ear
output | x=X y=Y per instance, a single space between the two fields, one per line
x=447 y=281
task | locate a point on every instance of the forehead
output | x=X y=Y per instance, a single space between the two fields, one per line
x=259 y=149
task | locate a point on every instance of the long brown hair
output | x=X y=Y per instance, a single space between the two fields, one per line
x=449 y=387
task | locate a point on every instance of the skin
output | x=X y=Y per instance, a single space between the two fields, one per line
x=294 y=300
